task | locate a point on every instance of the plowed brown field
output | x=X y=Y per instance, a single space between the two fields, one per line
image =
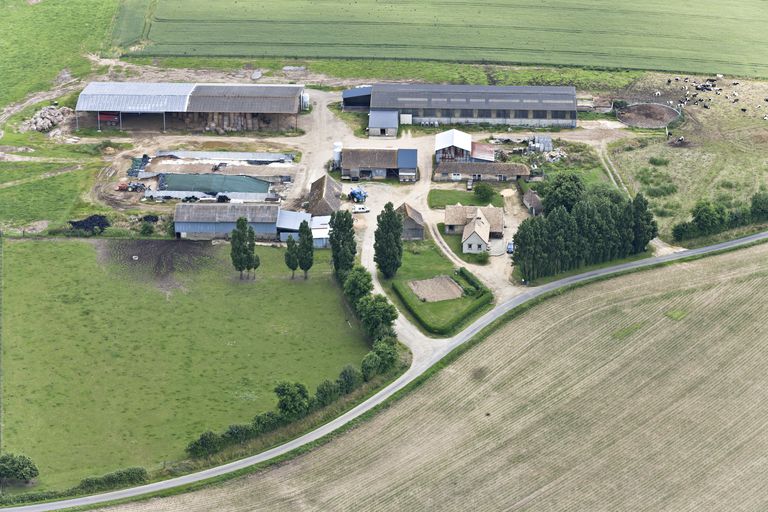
x=645 y=392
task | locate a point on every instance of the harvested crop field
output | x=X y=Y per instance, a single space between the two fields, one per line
x=644 y=392
x=436 y=289
x=647 y=115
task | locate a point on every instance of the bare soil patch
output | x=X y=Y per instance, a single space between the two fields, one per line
x=647 y=115
x=155 y=261
x=436 y=289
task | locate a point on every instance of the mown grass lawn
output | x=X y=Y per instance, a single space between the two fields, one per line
x=106 y=365
x=423 y=260
x=440 y=198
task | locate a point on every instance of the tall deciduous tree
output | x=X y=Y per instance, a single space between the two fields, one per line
x=252 y=259
x=709 y=217
x=645 y=227
x=306 y=251
x=292 y=256
x=483 y=192
x=566 y=190
x=358 y=284
x=388 y=244
x=342 y=241
x=377 y=315
x=239 y=246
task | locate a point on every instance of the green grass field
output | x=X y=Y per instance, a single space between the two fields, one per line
x=648 y=35
x=53 y=199
x=39 y=41
x=15 y=171
x=109 y=363
x=440 y=198
x=423 y=260
x=723 y=158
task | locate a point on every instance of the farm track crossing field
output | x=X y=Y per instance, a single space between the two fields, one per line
x=109 y=362
x=643 y=392
x=656 y=34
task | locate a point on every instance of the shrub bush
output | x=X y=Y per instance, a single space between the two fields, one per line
x=482 y=258
x=349 y=379
x=370 y=365
x=658 y=161
x=207 y=444
x=327 y=392
x=120 y=478
x=387 y=353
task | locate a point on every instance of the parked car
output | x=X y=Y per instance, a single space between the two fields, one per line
x=510 y=247
x=469 y=184
x=360 y=208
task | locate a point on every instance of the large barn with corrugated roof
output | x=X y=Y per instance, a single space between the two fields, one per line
x=534 y=106
x=191 y=106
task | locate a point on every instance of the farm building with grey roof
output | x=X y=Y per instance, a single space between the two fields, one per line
x=218 y=107
x=208 y=221
x=535 y=106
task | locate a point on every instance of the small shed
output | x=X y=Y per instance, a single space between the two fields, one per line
x=324 y=196
x=383 y=123
x=413 y=222
x=408 y=165
x=532 y=201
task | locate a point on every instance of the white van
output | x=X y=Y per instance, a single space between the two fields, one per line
x=360 y=208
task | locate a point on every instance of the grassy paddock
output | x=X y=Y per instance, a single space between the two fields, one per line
x=128 y=362
x=41 y=40
x=440 y=198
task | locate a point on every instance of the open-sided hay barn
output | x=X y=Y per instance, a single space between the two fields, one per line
x=210 y=107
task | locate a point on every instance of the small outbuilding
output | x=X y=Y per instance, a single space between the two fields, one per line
x=324 y=196
x=457 y=146
x=413 y=222
x=383 y=123
x=532 y=201
x=378 y=164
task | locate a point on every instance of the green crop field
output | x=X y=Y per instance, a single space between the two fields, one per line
x=708 y=36
x=109 y=362
x=643 y=392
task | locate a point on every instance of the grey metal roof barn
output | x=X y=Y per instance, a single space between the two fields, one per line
x=383 y=119
x=407 y=96
x=141 y=97
x=266 y=99
x=226 y=212
x=146 y=97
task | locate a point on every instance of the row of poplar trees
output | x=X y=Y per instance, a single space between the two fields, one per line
x=581 y=227
x=299 y=254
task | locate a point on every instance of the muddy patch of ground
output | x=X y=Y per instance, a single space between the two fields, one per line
x=436 y=289
x=647 y=115
x=155 y=261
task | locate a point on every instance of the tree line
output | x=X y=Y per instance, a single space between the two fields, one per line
x=581 y=227
x=709 y=218
x=243 y=250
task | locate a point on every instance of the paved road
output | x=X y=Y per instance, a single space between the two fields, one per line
x=426 y=353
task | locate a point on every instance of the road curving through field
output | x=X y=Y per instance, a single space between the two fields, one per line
x=426 y=353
